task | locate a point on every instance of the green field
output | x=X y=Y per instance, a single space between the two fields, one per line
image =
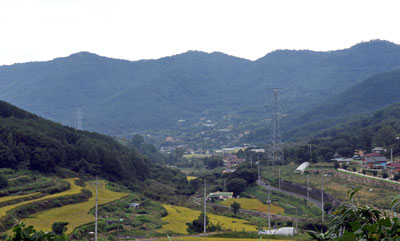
x=254 y=204
x=368 y=194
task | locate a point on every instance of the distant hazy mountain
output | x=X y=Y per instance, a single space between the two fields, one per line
x=370 y=95
x=120 y=96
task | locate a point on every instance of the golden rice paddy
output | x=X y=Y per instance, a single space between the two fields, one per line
x=13 y=197
x=73 y=190
x=75 y=214
x=178 y=217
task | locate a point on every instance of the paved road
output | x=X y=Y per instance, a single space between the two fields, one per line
x=271 y=188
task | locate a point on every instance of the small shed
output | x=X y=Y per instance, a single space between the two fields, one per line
x=302 y=167
x=220 y=195
x=134 y=205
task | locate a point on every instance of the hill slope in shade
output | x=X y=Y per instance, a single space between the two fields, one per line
x=31 y=142
x=120 y=97
x=373 y=94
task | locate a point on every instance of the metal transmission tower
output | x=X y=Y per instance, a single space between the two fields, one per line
x=79 y=117
x=276 y=149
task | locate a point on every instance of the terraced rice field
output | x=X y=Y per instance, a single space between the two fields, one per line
x=13 y=197
x=73 y=190
x=178 y=217
x=75 y=214
x=254 y=204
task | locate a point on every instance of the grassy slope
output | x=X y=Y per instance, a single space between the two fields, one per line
x=368 y=194
x=74 y=214
x=254 y=204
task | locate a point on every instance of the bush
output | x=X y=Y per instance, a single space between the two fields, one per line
x=3 y=182
x=142 y=211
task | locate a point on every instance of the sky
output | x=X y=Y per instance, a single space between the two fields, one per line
x=39 y=30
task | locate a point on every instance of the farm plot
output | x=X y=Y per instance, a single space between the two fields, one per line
x=254 y=204
x=74 y=214
x=178 y=217
x=73 y=190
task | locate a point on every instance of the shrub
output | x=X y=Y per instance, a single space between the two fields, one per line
x=3 y=182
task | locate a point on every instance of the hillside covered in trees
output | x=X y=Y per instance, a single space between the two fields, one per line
x=31 y=142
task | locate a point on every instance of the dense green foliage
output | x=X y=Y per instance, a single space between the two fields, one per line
x=235 y=207
x=380 y=128
x=28 y=141
x=124 y=97
x=197 y=226
x=360 y=222
x=22 y=233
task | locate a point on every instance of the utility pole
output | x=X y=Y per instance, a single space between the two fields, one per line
x=310 y=154
x=279 y=178
x=269 y=209
x=322 y=197
x=79 y=117
x=259 y=178
x=296 y=218
x=391 y=154
x=97 y=200
x=205 y=206
x=308 y=189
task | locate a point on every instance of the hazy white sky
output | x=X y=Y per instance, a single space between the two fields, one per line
x=32 y=30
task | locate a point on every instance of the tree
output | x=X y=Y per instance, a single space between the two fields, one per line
x=197 y=225
x=137 y=140
x=386 y=136
x=235 y=207
x=3 y=182
x=59 y=227
x=355 y=222
x=22 y=233
x=236 y=185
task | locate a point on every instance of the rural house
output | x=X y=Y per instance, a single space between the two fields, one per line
x=232 y=160
x=374 y=161
x=220 y=195
x=393 y=167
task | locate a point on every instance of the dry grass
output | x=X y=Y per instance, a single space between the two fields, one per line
x=75 y=214
x=73 y=190
x=254 y=204
x=178 y=217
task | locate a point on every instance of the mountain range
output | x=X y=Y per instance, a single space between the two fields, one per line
x=123 y=97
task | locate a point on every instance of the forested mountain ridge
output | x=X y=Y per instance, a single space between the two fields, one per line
x=120 y=97
x=31 y=142
x=374 y=93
